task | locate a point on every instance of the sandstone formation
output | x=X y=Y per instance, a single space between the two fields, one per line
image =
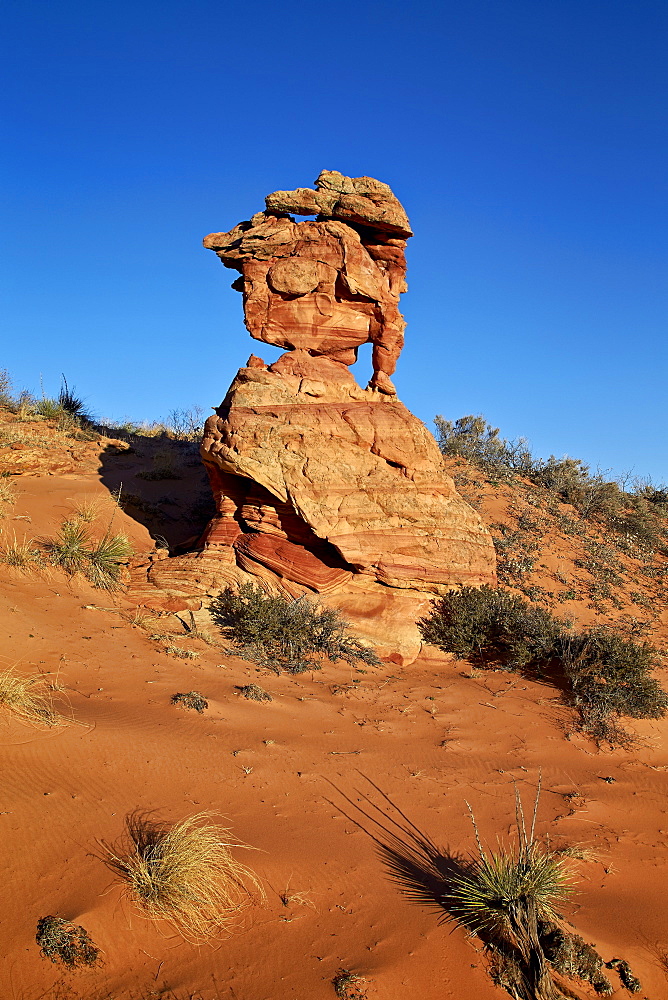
x=321 y=486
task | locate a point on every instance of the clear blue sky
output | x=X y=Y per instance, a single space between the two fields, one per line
x=526 y=138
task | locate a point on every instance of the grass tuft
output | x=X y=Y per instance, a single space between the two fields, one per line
x=99 y=560
x=28 y=699
x=183 y=874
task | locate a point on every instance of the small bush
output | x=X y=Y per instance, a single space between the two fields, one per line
x=484 y=624
x=607 y=674
x=611 y=675
x=290 y=635
x=28 y=698
x=6 y=398
x=184 y=874
x=255 y=693
x=65 y=942
x=191 y=699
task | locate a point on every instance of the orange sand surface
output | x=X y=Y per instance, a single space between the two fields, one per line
x=339 y=763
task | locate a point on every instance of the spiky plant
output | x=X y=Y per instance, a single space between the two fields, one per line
x=184 y=874
x=105 y=559
x=504 y=894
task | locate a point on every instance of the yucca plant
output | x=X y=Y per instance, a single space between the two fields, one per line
x=504 y=894
x=105 y=559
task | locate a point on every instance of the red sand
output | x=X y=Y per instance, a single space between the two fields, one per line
x=302 y=779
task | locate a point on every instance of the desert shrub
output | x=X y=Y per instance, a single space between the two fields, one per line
x=349 y=986
x=186 y=425
x=65 y=942
x=610 y=674
x=100 y=560
x=484 y=624
x=28 y=698
x=607 y=674
x=6 y=398
x=163 y=466
x=471 y=437
x=290 y=635
x=571 y=956
x=185 y=874
x=191 y=699
x=72 y=404
x=255 y=693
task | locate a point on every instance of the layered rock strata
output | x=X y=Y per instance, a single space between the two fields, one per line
x=321 y=486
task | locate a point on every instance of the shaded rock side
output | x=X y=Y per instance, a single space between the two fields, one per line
x=321 y=481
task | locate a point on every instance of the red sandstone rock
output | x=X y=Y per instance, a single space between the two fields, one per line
x=321 y=486
x=328 y=286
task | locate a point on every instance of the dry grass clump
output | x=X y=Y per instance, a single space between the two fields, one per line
x=7 y=495
x=349 y=986
x=21 y=555
x=184 y=874
x=255 y=693
x=27 y=698
x=65 y=942
x=191 y=699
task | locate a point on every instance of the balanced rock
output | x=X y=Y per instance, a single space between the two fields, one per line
x=321 y=486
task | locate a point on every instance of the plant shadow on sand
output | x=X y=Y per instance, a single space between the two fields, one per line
x=432 y=876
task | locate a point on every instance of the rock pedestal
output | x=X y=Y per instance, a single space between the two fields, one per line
x=322 y=487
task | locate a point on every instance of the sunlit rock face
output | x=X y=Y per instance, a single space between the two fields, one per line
x=322 y=486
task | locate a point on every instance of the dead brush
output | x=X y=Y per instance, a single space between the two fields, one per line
x=28 y=698
x=184 y=874
x=21 y=554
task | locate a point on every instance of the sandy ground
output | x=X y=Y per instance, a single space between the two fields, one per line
x=338 y=764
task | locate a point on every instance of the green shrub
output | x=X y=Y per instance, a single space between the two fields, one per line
x=607 y=674
x=290 y=635
x=611 y=675
x=484 y=624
